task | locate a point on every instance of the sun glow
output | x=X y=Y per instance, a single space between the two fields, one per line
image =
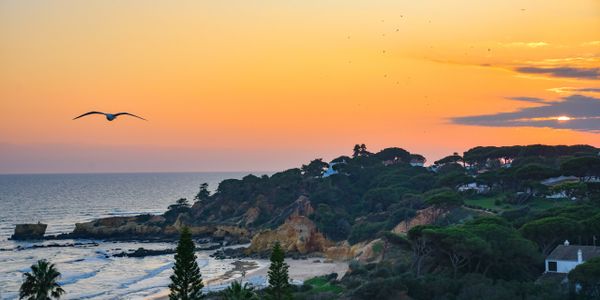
x=564 y=118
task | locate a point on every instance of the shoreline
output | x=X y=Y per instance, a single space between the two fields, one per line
x=257 y=269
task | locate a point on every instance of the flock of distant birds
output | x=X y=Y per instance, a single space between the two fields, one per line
x=112 y=117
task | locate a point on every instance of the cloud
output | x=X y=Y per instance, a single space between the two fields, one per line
x=524 y=44
x=528 y=99
x=568 y=72
x=589 y=90
x=574 y=61
x=591 y=43
x=570 y=90
x=584 y=113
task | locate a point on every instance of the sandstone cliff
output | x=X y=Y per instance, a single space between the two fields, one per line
x=297 y=234
x=423 y=217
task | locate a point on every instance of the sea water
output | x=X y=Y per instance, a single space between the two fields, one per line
x=89 y=271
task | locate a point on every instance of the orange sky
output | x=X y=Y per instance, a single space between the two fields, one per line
x=266 y=85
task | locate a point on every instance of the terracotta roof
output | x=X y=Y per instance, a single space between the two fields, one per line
x=562 y=252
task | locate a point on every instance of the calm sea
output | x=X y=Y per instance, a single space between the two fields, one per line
x=61 y=200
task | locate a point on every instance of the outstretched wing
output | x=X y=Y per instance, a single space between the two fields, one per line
x=128 y=114
x=90 y=113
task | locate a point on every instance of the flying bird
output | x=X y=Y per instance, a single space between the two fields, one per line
x=109 y=117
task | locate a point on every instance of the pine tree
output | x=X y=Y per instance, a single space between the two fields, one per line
x=186 y=281
x=279 y=282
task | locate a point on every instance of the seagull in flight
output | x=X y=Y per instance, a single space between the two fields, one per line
x=109 y=117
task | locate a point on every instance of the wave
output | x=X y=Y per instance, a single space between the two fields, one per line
x=149 y=274
x=78 y=277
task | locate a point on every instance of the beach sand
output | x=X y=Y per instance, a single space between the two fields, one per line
x=255 y=272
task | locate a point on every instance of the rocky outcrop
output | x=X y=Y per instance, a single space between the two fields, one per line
x=297 y=234
x=368 y=252
x=424 y=216
x=29 y=231
x=154 y=228
x=116 y=227
x=300 y=207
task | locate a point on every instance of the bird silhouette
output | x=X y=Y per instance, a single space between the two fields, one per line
x=109 y=117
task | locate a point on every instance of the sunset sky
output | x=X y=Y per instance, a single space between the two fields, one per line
x=268 y=85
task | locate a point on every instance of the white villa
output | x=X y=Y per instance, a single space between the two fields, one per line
x=330 y=171
x=566 y=257
x=473 y=186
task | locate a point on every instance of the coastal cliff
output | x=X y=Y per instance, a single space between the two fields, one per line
x=298 y=234
x=154 y=227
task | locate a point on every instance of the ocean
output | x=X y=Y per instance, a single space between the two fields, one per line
x=89 y=271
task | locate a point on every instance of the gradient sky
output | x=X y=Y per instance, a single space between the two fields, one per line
x=267 y=85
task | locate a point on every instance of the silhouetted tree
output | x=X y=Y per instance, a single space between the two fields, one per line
x=315 y=168
x=203 y=193
x=41 y=283
x=279 y=285
x=587 y=277
x=356 y=150
x=180 y=205
x=186 y=281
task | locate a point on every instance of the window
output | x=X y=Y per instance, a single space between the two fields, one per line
x=552 y=266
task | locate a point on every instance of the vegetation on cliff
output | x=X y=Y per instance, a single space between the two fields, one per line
x=469 y=226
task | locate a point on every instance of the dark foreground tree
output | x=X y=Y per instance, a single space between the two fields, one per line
x=237 y=291
x=279 y=282
x=186 y=281
x=41 y=283
x=585 y=278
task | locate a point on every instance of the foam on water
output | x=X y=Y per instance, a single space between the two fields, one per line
x=88 y=269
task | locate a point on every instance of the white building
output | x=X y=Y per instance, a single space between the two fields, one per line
x=566 y=257
x=473 y=186
x=330 y=171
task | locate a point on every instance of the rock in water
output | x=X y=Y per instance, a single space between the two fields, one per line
x=29 y=231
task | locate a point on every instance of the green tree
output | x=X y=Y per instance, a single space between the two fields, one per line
x=582 y=167
x=186 y=281
x=41 y=283
x=458 y=245
x=587 y=276
x=203 y=193
x=442 y=202
x=279 y=282
x=421 y=247
x=315 y=168
x=510 y=256
x=237 y=291
x=394 y=154
x=455 y=158
x=548 y=232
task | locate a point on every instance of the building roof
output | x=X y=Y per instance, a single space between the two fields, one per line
x=562 y=252
x=558 y=180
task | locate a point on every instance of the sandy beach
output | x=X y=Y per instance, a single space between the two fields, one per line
x=255 y=272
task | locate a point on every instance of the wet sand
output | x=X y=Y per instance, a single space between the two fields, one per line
x=255 y=272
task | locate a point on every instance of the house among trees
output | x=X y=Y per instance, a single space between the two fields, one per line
x=473 y=186
x=417 y=160
x=554 y=181
x=566 y=257
x=330 y=170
